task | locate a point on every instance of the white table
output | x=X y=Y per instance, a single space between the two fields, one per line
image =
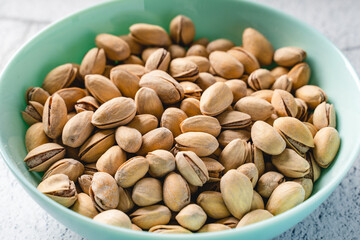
x=337 y=218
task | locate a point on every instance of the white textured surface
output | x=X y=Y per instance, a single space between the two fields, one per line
x=337 y=218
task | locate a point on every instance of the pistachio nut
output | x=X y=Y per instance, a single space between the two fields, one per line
x=246 y=58
x=182 y=30
x=234 y=154
x=159 y=59
x=147 y=191
x=327 y=143
x=201 y=123
x=202 y=63
x=299 y=75
x=260 y=79
x=35 y=136
x=307 y=184
x=191 y=107
x=176 y=192
x=131 y=171
x=85 y=182
x=87 y=103
x=126 y=82
x=257 y=108
x=144 y=123
x=101 y=87
x=167 y=88
x=197 y=50
x=93 y=62
x=84 y=206
x=191 y=217
x=291 y=164
x=213 y=227
x=295 y=133
x=234 y=120
x=111 y=160
x=284 y=103
x=42 y=157
x=58 y=78
x=267 y=139
x=77 y=129
x=213 y=204
x=148 y=34
x=268 y=182
x=202 y=144
x=171 y=119
x=311 y=95
x=36 y=94
x=227 y=136
x=220 y=44
x=54 y=116
x=230 y=222
x=115 y=112
x=114 y=217
x=159 y=138
x=238 y=88
x=125 y=201
x=136 y=69
x=257 y=201
x=96 y=145
x=254 y=216
x=286 y=196
x=183 y=69
x=257 y=44
x=324 y=116
x=148 y=102
x=168 y=229
x=191 y=90
x=192 y=168
x=205 y=80
x=225 y=65
x=71 y=96
x=161 y=162
x=237 y=192
x=115 y=48
x=104 y=191
x=215 y=99
x=215 y=169
x=302 y=112
x=148 y=217
x=176 y=51
x=250 y=170
x=147 y=52
x=33 y=113
x=129 y=139
x=315 y=169
x=289 y=56
x=70 y=167
x=135 y=47
x=283 y=83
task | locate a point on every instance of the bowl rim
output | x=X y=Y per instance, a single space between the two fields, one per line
x=317 y=198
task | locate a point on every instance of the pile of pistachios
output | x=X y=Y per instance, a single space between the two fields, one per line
x=164 y=133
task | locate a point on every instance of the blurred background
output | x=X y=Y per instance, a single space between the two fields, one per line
x=337 y=218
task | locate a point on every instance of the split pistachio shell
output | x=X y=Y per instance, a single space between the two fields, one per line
x=213 y=227
x=203 y=144
x=267 y=139
x=191 y=217
x=36 y=94
x=33 y=113
x=312 y=95
x=84 y=206
x=115 y=48
x=192 y=168
x=60 y=189
x=148 y=217
x=283 y=83
x=129 y=139
x=268 y=182
x=201 y=123
x=54 y=116
x=101 y=87
x=258 y=45
x=131 y=171
x=214 y=168
x=70 y=167
x=191 y=90
x=160 y=59
x=147 y=191
x=257 y=108
x=182 y=30
x=234 y=154
x=183 y=69
x=286 y=196
x=216 y=99
x=115 y=112
x=115 y=218
x=237 y=192
x=255 y=216
x=176 y=192
x=289 y=56
x=161 y=162
x=327 y=143
x=147 y=52
x=234 y=120
x=213 y=204
x=42 y=157
x=147 y=34
x=126 y=82
x=284 y=103
x=104 y=191
x=58 y=78
x=225 y=65
x=71 y=96
x=324 y=116
x=171 y=119
x=87 y=103
x=260 y=79
x=93 y=62
x=144 y=123
x=299 y=75
x=111 y=160
x=35 y=136
x=85 y=182
x=291 y=164
x=159 y=138
x=77 y=129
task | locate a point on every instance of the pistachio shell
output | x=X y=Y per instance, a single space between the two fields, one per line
x=87 y=103
x=225 y=65
x=299 y=75
x=215 y=99
x=77 y=129
x=268 y=182
x=36 y=94
x=93 y=62
x=254 y=217
x=279 y=71
x=192 y=168
x=191 y=107
x=129 y=139
x=191 y=217
x=176 y=192
x=246 y=58
x=159 y=138
x=327 y=143
x=227 y=136
x=291 y=164
x=135 y=47
x=183 y=69
x=147 y=101
x=234 y=154
x=220 y=44
x=126 y=82
x=201 y=123
x=115 y=48
x=234 y=120
x=176 y=51
x=205 y=80
x=101 y=87
x=267 y=139
x=111 y=160
x=42 y=157
x=159 y=59
x=70 y=167
x=257 y=108
x=131 y=171
x=289 y=56
x=168 y=229
x=257 y=201
x=161 y=162
x=54 y=116
x=147 y=34
x=284 y=103
x=58 y=78
x=135 y=69
x=197 y=50
x=260 y=79
x=104 y=191
x=171 y=119
x=258 y=45
x=147 y=191
x=150 y=216
x=84 y=206
x=182 y=30
x=125 y=201
x=238 y=88
x=203 y=144
x=35 y=136
x=71 y=96
x=324 y=116
x=202 y=63
x=213 y=204
x=114 y=217
x=283 y=83
x=250 y=170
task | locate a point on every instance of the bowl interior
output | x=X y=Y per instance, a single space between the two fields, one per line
x=69 y=39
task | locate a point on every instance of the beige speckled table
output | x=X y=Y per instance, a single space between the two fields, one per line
x=336 y=218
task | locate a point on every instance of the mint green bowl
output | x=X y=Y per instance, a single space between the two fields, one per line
x=69 y=39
